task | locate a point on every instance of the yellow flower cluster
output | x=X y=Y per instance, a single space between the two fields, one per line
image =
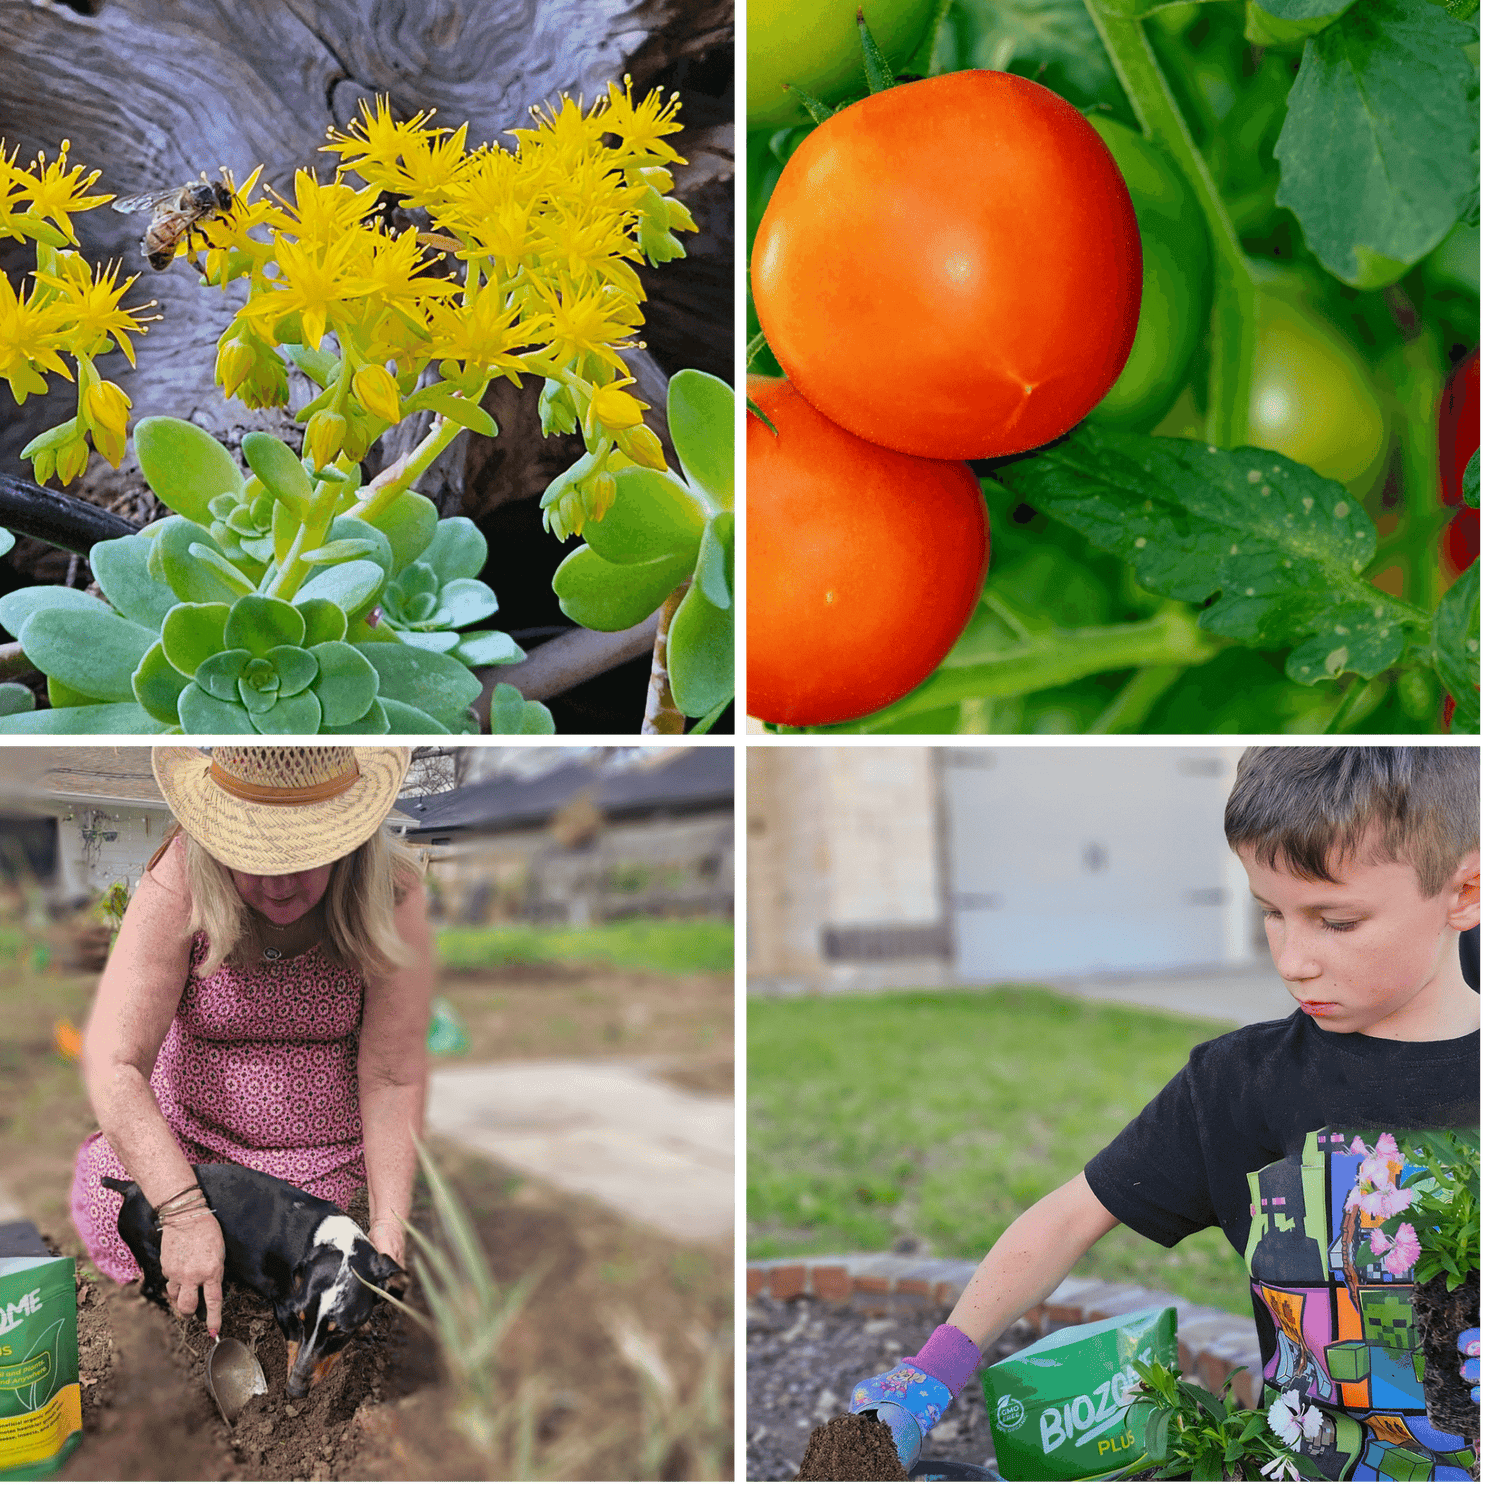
x=71 y=309
x=546 y=237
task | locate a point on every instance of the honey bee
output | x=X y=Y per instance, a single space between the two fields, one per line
x=176 y=213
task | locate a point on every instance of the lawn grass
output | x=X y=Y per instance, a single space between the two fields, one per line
x=941 y=1116
x=672 y=947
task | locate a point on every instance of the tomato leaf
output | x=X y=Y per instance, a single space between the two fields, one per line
x=1455 y=647
x=815 y=107
x=1379 y=150
x=1271 y=551
x=1471 y=481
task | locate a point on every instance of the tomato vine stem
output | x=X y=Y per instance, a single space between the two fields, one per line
x=1054 y=658
x=1232 y=330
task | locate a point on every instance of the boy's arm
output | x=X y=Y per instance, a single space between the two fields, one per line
x=1029 y=1261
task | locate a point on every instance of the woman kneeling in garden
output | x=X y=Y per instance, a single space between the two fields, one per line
x=266 y=1003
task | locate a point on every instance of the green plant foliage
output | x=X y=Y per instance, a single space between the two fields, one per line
x=1444 y=1212
x=510 y=713
x=1390 y=83
x=1455 y=648
x=662 y=530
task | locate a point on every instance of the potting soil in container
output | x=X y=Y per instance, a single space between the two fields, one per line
x=1441 y=1316
x=852 y=1447
x=41 y=1420
x=1059 y=1408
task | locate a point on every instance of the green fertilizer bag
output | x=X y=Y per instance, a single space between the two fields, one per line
x=41 y=1420
x=1059 y=1409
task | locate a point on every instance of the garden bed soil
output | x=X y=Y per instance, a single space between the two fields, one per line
x=849 y=1448
x=1441 y=1316
x=383 y=1412
x=804 y=1357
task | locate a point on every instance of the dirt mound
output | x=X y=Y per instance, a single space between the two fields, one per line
x=852 y=1447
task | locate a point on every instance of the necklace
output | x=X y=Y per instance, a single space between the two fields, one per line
x=269 y=953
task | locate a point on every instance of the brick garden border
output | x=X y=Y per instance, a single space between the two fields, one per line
x=1210 y=1341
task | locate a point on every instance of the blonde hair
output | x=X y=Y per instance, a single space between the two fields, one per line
x=359 y=906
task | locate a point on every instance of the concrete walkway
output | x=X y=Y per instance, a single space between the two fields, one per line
x=606 y=1129
x=1251 y=992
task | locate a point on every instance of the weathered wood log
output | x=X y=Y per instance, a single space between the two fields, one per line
x=153 y=93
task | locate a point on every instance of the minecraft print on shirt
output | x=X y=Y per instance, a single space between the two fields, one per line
x=1331 y=1263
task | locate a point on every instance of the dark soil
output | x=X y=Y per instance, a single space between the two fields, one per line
x=851 y=1447
x=1441 y=1316
x=803 y=1358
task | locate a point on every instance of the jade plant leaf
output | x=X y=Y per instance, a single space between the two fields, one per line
x=346 y=683
x=700 y=653
x=19 y=605
x=219 y=676
x=488 y=648
x=201 y=713
x=441 y=641
x=277 y=467
x=174 y=563
x=323 y=621
x=510 y=713
x=63 y=696
x=191 y=633
x=296 y=668
x=409 y=522
x=185 y=466
x=299 y=714
x=114 y=719
x=715 y=570
x=465 y=601
x=96 y=654
x=457 y=550
x=257 y=623
x=353 y=586
x=374 y=721
x=123 y=569
x=653 y=516
x=402 y=718
x=603 y=596
x=437 y=685
x=16 y=698
x=158 y=685
x=700 y=416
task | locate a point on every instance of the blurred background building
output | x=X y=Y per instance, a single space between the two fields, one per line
x=552 y=835
x=874 y=868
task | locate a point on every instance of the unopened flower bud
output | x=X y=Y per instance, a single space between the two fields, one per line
x=323 y=438
x=555 y=407
x=236 y=360
x=599 y=494
x=72 y=459
x=375 y=387
x=643 y=446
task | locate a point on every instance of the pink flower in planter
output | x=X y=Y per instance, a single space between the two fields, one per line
x=1382 y=1166
x=1399 y=1253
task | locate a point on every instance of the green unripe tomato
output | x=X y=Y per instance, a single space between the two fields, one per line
x=1176 y=279
x=814 y=44
x=1312 y=397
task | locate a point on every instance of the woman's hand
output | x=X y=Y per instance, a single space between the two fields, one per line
x=192 y=1259
x=388 y=1237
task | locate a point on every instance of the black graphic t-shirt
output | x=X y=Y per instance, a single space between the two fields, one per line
x=1285 y=1136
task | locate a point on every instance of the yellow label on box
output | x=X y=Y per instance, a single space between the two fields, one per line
x=38 y=1435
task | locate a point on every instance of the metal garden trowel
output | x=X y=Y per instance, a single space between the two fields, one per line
x=234 y=1376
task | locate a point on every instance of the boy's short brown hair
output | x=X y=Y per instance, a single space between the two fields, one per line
x=1309 y=805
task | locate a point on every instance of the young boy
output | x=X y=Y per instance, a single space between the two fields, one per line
x=1288 y=1134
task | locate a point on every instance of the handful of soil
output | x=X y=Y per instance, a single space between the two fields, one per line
x=853 y=1446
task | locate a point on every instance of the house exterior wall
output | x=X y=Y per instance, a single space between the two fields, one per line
x=98 y=845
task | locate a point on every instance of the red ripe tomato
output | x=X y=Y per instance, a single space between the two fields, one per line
x=1458 y=437
x=952 y=267
x=863 y=567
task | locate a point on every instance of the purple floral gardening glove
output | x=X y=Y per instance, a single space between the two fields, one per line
x=1468 y=1346
x=911 y=1398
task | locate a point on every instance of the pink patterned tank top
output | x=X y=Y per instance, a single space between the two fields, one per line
x=259 y=1067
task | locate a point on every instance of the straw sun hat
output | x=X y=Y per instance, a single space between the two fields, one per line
x=282 y=808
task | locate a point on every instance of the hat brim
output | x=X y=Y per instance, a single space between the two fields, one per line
x=264 y=839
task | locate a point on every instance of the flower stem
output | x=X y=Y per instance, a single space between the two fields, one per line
x=399 y=477
x=1232 y=332
x=662 y=713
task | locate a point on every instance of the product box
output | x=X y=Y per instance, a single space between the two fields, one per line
x=1061 y=1409
x=41 y=1419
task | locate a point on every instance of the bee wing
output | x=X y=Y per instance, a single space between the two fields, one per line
x=139 y=201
